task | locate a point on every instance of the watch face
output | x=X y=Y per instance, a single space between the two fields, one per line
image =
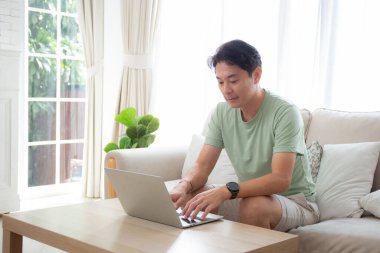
x=233 y=186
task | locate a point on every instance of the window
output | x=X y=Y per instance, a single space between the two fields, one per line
x=55 y=95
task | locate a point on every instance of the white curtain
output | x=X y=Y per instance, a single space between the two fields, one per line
x=184 y=88
x=139 y=20
x=317 y=53
x=91 y=22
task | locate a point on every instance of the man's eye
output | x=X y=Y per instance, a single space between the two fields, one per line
x=233 y=81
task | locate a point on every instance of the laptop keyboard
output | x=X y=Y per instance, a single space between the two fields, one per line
x=188 y=220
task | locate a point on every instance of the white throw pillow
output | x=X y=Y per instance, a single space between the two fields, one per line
x=223 y=171
x=192 y=153
x=371 y=203
x=345 y=175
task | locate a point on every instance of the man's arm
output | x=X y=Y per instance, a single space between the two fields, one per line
x=197 y=176
x=277 y=181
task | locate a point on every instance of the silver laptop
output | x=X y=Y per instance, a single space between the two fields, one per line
x=146 y=197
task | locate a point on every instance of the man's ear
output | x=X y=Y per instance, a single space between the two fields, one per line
x=257 y=74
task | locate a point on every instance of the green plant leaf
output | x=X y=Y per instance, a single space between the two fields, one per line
x=139 y=129
x=150 y=122
x=127 y=117
x=111 y=146
x=146 y=140
x=136 y=132
x=125 y=142
x=145 y=120
x=153 y=125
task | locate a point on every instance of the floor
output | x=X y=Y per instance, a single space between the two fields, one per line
x=31 y=246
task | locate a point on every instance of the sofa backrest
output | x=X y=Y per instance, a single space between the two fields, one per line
x=338 y=127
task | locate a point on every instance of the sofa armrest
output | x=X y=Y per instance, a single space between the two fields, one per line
x=166 y=162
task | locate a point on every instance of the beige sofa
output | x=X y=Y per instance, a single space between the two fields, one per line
x=347 y=183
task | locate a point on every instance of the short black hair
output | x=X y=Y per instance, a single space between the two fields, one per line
x=237 y=52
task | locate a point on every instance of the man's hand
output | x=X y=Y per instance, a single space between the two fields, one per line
x=180 y=196
x=206 y=201
x=195 y=179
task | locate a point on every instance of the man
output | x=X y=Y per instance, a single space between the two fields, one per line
x=263 y=137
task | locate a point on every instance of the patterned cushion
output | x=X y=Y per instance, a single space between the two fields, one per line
x=315 y=152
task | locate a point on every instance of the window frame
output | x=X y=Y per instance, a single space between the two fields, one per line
x=26 y=191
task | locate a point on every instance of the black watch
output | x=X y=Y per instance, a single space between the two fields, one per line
x=234 y=188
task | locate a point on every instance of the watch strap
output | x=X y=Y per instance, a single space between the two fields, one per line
x=234 y=189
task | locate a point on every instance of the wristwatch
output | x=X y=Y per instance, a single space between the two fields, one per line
x=234 y=188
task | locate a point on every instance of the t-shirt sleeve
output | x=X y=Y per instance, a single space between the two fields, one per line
x=214 y=134
x=289 y=131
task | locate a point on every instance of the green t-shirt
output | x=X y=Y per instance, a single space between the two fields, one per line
x=277 y=127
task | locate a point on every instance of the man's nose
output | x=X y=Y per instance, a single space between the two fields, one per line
x=226 y=89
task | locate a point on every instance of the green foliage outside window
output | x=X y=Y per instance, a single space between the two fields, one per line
x=42 y=33
x=42 y=77
x=69 y=6
x=43 y=4
x=70 y=40
x=53 y=56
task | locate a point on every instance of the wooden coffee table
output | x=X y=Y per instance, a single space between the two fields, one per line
x=102 y=226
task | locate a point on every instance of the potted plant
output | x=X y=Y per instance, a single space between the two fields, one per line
x=139 y=130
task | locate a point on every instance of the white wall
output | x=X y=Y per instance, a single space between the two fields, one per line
x=11 y=20
x=11 y=79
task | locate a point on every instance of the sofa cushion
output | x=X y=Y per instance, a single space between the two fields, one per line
x=345 y=176
x=314 y=152
x=359 y=235
x=371 y=203
x=223 y=171
x=306 y=117
x=335 y=127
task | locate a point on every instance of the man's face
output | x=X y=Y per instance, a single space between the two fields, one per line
x=237 y=87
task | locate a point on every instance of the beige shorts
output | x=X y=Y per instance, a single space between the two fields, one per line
x=296 y=211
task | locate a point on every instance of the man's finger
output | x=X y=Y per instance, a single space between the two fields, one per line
x=198 y=208
x=206 y=212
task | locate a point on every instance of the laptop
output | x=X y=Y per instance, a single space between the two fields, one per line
x=146 y=197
